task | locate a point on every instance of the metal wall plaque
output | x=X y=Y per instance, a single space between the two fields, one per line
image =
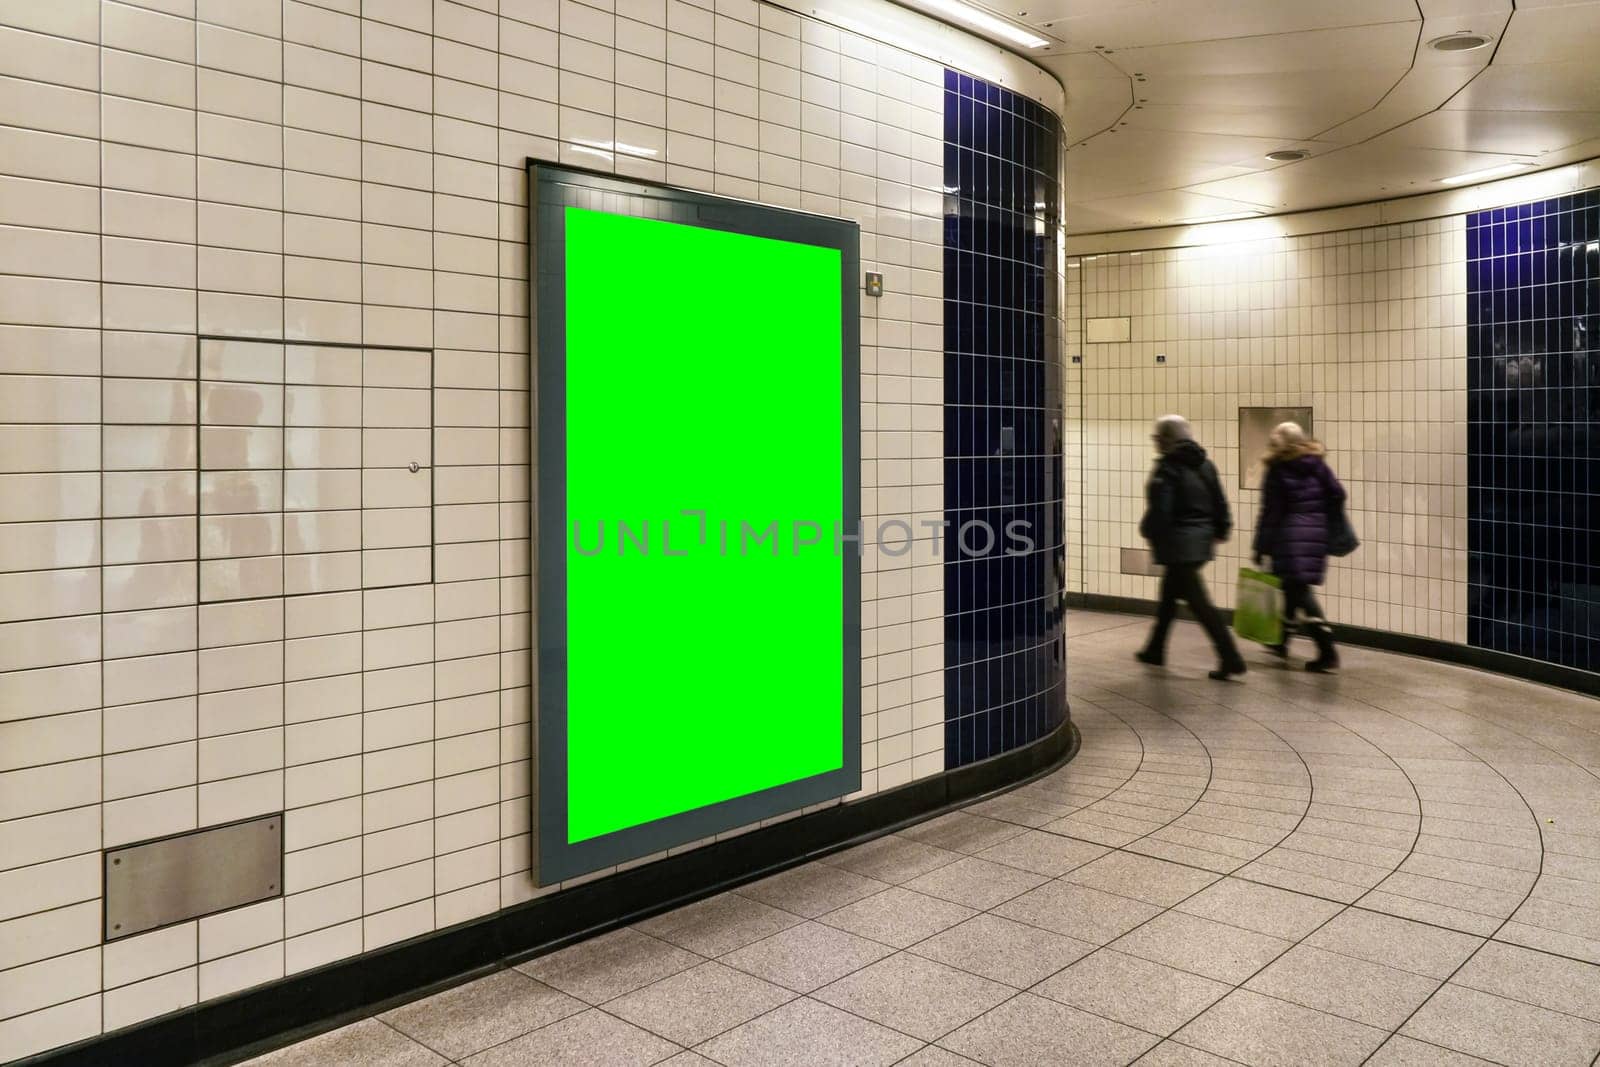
x=1139 y=561
x=171 y=879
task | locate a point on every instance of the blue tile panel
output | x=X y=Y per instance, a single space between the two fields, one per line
x=1005 y=656
x=1533 y=430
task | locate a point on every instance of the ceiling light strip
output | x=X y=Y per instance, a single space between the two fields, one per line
x=983 y=20
x=1485 y=174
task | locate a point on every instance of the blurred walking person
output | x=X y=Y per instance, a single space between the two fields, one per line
x=1186 y=514
x=1300 y=498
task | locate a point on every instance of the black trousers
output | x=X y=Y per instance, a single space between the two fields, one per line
x=1182 y=582
x=1298 y=600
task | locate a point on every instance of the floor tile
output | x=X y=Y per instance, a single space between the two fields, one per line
x=975 y=882
x=1003 y=950
x=1343 y=985
x=1029 y=1030
x=962 y=831
x=1395 y=942
x=897 y=916
x=1201 y=946
x=1151 y=996
x=1142 y=878
x=1538 y=978
x=914 y=995
x=812 y=889
x=1431 y=912
x=803 y=1033
x=718 y=924
x=1077 y=911
x=368 y=1042
x=1172 y=1054
x=590 y=1038
x=1047 y=854
x=1506 y=1031
x=892 y=859
x=480 y=1013
x=1547 y=940
x=934 y=1056
x=1401 y=1051
x=1254 y=1029
x=699 y=1003
x=807 y=956
x=609 y=965
x=1263 y=908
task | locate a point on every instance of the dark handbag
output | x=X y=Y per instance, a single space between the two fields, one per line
x=1342 y=539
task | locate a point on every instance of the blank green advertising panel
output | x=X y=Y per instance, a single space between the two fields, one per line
x=696 y=426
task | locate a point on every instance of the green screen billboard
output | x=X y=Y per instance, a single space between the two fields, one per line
x=696 y=419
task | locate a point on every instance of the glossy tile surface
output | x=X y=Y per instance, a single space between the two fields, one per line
x=1005 y=659
x=1281 y=903
x=1533 y=416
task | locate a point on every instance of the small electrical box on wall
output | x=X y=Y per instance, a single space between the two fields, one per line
x=1160 y=358
x=874 y=283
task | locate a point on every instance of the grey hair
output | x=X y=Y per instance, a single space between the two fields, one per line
x=1286 y=435
x=1170 y=429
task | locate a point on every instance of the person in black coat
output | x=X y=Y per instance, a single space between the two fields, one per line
x=1186 y=514
x=1299 y=496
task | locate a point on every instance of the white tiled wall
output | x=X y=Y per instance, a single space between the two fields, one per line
x=1365 y=326
x=223 y=591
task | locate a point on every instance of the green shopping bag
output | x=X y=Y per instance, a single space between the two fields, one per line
x=1258 y=609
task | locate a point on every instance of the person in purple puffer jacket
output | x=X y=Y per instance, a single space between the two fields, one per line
x=1299 y=494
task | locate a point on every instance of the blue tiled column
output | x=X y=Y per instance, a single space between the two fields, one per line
x=1533 y=437
x=1005 y=659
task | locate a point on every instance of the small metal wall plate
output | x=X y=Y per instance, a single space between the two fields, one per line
x=172 y=879
x=1139 y=561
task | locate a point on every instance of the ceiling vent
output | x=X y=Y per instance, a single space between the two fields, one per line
x=1458 y=42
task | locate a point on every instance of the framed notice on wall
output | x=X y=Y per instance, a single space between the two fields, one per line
x=695 y=407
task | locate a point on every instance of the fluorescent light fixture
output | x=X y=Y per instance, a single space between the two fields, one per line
x=1485 y=174
x=986 y=22
x=607 y=147
x=1199 y=219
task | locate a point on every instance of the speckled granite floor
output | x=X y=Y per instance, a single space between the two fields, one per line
x=1397 y=865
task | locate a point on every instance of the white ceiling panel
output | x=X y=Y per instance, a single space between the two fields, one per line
x=1533 y=87
x=1120 y=24
x=1386 y=46
x=1278 y=124
x=1175 y=103
x=1419 y=92
x=1540 y=35
x=1525 y=133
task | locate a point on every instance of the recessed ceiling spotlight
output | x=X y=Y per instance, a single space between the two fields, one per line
x=1288 y=155
x=1463 y=41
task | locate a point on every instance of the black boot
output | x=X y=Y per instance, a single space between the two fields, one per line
x=1154 y=659
x=1327 y=656
x=1228 y=669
